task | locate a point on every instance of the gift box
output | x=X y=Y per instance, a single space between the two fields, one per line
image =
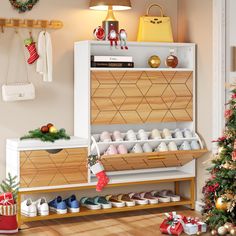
x=7 y=205
x=194 y=225
x=6 y=199
x=173 y=225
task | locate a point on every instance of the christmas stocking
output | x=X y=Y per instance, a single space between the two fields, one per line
x=30 y=45
x=99 y=171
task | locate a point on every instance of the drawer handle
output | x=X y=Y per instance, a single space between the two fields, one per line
x=54 y=151
x=157 y=158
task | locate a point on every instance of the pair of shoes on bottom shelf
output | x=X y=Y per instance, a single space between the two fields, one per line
x=166 y=196
x=95 y=203
x=61 y=206
x=31 y=209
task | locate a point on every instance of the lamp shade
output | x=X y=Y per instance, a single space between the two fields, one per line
x=105 y=4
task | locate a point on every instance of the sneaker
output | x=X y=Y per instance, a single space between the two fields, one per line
x=72 y=204
x=28 y=208
x=8 y=225
x=58 y=205
x=42 y=207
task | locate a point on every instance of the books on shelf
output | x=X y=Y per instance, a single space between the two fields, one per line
x=112 y=61
x=111 y=58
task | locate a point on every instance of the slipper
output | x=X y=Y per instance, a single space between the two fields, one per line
x=102 y=201
x=169 y=193
x=138 y=199
x=161 y=198
x=115 y=201
x=89 y=203
x=126 y=198
x=151 y=199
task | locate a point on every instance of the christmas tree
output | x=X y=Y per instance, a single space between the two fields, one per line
x=220 y=189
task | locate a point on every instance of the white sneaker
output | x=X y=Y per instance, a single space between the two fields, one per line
x=28 y=208
x=42 y=206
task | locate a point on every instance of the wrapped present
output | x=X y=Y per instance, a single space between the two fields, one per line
x=194 y=225
x=6 y=199
x=173 y=225
x=7 y=205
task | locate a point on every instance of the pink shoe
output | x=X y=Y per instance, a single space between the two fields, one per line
x=111 y=150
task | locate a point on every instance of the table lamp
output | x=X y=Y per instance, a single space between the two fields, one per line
x=110 y=5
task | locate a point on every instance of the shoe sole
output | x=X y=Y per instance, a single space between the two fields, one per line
x=91 y=207
x=141 y=202
x=12 y=231
x=118 y=205
x=106 y=206
x=130 y=204
x=73 y=210
x=43 y=213
x=29 y=214
x=58 y=211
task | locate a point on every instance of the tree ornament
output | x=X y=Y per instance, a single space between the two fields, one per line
x=99 y=33
x=172 y=60
x=52 y=130
x=23 y=6
x=233 y=232
x=228 y=226
x=154 y=61
x=222 y=202
x=49 y=125
x=214 y=232
x=198 y=233
x=222 y=230
x=44 y=129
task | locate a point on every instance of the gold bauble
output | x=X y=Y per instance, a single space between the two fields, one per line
x=228 y=226
x=154 y=61
x=233 y=231
x=214 y=232
x=222 y=230
x=53 y=130
x=221 y=205
x=198 y=233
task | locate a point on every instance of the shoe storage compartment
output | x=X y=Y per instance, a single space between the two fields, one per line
x=42 y=168
x=134 y=161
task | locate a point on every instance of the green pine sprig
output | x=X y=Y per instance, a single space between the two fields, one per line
x=46 y=137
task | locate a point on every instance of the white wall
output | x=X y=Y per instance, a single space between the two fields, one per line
x=195 y=25
x=54 y=102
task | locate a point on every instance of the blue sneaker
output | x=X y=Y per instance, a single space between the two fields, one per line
x=58 y=205
x=72 y=204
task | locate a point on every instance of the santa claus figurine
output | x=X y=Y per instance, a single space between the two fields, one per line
x=113 y=36
x=123 y=39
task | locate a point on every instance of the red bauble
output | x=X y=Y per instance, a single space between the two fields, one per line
x=49 y=125
x=44 y=129
x=172 y=61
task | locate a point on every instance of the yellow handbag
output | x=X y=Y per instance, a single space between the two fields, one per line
x=155 y=28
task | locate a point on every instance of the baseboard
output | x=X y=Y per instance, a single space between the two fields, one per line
x=199 y=206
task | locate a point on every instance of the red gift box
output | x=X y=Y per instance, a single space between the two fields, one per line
x=6 y=199
x=173 y=225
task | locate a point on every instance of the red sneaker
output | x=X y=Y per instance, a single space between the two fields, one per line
x=8 y=225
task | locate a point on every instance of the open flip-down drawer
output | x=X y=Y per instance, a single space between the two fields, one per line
x=133 y=161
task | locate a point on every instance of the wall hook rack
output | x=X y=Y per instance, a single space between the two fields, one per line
x=29 y=23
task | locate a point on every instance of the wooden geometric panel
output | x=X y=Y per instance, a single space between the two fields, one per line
x=134 y=161
x=41 y=168
x=133 y=97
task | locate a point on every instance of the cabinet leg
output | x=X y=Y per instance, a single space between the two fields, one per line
x=19 y=210
x=192 y=193
x=177 y=188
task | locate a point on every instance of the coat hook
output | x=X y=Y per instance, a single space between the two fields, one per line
x=2 y=24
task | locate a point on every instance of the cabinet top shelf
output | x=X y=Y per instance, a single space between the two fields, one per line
x=134 y=43
x=139 y=69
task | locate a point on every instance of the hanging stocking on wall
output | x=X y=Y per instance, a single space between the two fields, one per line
x=30 y=45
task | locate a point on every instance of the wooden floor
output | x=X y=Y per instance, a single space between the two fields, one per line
x=140 y=223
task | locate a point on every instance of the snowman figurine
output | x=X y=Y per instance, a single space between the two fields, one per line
x=113 y=36
x=123 y=39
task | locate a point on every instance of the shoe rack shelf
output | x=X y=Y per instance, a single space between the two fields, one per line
x=86 y=212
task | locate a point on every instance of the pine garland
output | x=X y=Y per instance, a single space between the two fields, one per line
x=9 y=185
x=23 y=6
x=92 y=160
x=46 y=137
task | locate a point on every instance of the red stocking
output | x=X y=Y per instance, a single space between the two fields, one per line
x=33 y=53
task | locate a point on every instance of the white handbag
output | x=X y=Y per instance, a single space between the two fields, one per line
x=18 y=91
